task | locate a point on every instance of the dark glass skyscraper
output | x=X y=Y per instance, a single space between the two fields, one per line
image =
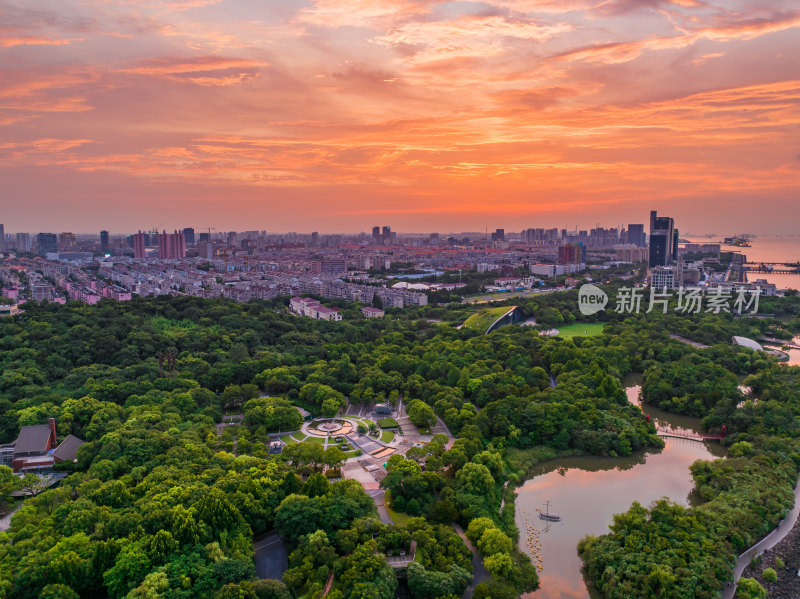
x=104 y=246
x=663 y=240
x=48 y=243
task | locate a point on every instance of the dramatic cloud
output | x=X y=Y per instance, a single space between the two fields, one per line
x=330 y=114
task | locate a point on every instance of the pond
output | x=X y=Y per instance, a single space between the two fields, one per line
x=587 y=491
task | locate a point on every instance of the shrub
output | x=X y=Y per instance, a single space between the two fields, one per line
x=769 y=575
x=779 y=563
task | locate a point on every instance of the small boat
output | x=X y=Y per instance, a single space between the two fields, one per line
x=547 y=514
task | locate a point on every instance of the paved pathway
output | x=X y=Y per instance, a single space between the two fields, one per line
x=271 y=556
x=380 y=503
x=764 y=544
x=479 y=573
x=690 y=342
x=5 y=521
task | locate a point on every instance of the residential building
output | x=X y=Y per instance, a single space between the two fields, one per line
x=370 y=312
x=188 y=236
x=24 y=242
x=139 y=244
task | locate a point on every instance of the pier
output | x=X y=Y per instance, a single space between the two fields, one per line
x=680 y=433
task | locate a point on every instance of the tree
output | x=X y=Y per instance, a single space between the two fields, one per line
x=499 y=565
x=420 y=413
x=475 y=479
x=749 y=588
x=58 y=591
x=494 y=541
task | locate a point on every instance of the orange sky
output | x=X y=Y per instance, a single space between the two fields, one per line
x=334 y=115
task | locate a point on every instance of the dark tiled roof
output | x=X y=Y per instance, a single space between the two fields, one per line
x=68 y=448
x=32 y=439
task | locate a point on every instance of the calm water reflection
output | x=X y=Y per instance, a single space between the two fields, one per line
x=588 y=491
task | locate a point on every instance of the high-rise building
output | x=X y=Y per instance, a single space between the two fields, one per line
x=636 y=235
x=205 y=237
x=376 y=234
x=104 y=245
x=48 y=243
x=67 y=241
x=572 y=253
x=315 y=239
x=663 y=237
x=499 y=235
x=139 y=245
x=171 y=246
x=232 y=239
x=2 y=238
x=23 y=242
x=188 y=236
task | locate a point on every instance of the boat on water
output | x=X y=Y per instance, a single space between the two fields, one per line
x=742 y=241
x=547 y=514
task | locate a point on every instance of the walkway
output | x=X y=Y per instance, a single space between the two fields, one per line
x=271 y=556
x=690 y=342
x=5 y=521
x=764 y=544
x=479 y=573
x=380 y=502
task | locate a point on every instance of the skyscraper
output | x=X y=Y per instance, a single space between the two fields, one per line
x=663 y=238
x=636 y=235
x=188 y=236
x=376 y=234
x=48 y=243
x=104 y=245
x=139 y=245
x=2 y=238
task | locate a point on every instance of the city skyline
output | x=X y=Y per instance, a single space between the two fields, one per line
x=435 y=115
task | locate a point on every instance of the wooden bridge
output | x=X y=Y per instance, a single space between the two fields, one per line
x=682 y=433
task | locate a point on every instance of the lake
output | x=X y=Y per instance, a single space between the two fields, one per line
x=587 y=491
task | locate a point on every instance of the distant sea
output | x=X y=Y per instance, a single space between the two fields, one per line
x=784 y=248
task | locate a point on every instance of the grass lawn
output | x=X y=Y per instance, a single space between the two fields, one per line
x=288 y=439
x=399 y=518
x=480 y=321
x=387 y=436
x=317 y=440
x=387 y=423
x=580 y=329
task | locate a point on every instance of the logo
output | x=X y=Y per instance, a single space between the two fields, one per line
x=591 y=299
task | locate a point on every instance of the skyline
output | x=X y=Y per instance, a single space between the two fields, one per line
x=448 y=116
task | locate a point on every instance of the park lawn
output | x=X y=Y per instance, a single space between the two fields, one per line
x=387 y=423
x=399 y=518
x=480 y=321
x=317 y=440
x=387 y=436
x=288 y=439
x=576 y=329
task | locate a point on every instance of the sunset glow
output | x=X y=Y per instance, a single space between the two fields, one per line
x=334 y=115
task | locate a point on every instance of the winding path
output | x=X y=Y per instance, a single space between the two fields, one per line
x=479 y=573
x=764 y=544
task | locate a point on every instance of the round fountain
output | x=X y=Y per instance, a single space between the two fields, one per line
x=329 y=427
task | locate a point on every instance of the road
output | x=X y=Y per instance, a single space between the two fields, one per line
x=764 y=544
x=271 y=556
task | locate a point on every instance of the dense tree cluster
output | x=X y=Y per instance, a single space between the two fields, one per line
x=161 y=505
